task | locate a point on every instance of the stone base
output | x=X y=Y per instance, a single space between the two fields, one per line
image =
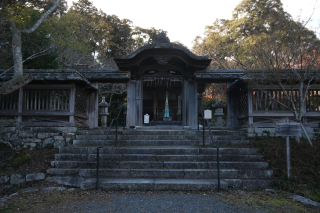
x=167 y=118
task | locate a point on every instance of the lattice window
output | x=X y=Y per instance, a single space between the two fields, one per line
x=57 y=99
x=81 y=101
x=243 y=104
x=313 y=100
x=10 y=101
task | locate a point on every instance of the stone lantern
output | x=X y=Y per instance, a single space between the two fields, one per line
x=104 y=111
x=219 y=111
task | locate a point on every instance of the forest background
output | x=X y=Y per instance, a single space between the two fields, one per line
x=82 y=37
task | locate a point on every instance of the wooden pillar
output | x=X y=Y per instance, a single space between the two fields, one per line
x=131 y=103
x=192 y=105
x=139 y=102
x=179 y=108
x=20 y=104
x=232 y=105
x=71 y=104
x=93 y=108
x=155 y=105
x=185 y=97
x=250 y=107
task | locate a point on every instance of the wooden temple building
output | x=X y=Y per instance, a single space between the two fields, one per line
x=70 y=98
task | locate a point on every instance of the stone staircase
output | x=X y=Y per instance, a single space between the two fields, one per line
x=159 y=160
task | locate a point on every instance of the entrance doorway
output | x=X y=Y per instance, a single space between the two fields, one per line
x=158 y=92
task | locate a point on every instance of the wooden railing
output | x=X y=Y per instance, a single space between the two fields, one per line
x=10 y=101
x=263 y=109
x=42 y=99
x=48 y=105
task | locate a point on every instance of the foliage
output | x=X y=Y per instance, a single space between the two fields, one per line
x=228 y=41
x=88 y=38
x=109 y=89
x=207 y=102
x=36 y=44
x=262 y=36
x=305 y=165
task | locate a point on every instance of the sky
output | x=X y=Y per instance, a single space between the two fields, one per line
x=186 y=19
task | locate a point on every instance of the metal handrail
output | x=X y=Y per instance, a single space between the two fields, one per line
x=104 y=142
x=212 y=141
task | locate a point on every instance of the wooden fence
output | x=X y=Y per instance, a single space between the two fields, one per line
x=263 y=109
x=48 y=105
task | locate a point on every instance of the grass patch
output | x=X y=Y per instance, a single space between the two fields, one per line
x=258 y=200
x=305 y=165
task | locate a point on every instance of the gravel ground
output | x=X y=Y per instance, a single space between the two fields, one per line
x=153 y=203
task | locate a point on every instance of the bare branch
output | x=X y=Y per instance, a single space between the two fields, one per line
x=43 y=17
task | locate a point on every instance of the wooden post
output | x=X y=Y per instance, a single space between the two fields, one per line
x=232 y=100
x=250 y=107
x=131 y=103
x=139 y=102
x=20 y=104
x=71 y=104
x=93 y=108
x=288 y=156
x=155 y=105
x=179 y=108
x=185 y=100
x=192 y=105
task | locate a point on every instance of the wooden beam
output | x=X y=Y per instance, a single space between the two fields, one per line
x=51 y=124
x=282 y=114
x=36 y=113
x=273 y=125
x=49 y=86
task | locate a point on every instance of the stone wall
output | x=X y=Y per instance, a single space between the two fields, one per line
x=39 y=137
x=18 y=179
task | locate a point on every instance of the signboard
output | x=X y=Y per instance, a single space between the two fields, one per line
x=146 y=118
x=207 y=114
x=288 y=127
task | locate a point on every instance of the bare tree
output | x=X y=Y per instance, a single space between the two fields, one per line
x=19 y=80
x=293 y=65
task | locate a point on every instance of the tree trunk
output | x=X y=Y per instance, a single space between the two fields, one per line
x=16 y=49
x=301 y=107
x=16 y=39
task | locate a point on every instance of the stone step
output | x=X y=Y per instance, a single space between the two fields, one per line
x=146 y=173
x=200 y=157
x=163 y=173
x=121 y=159
x=230 y=142
x=160 y=173
x=108 y=162
x=157 y=150
x=84 y=142
x=151 y=157
x=160 y=132
x=137 y=184
x=160 y=137
x=148 y=184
